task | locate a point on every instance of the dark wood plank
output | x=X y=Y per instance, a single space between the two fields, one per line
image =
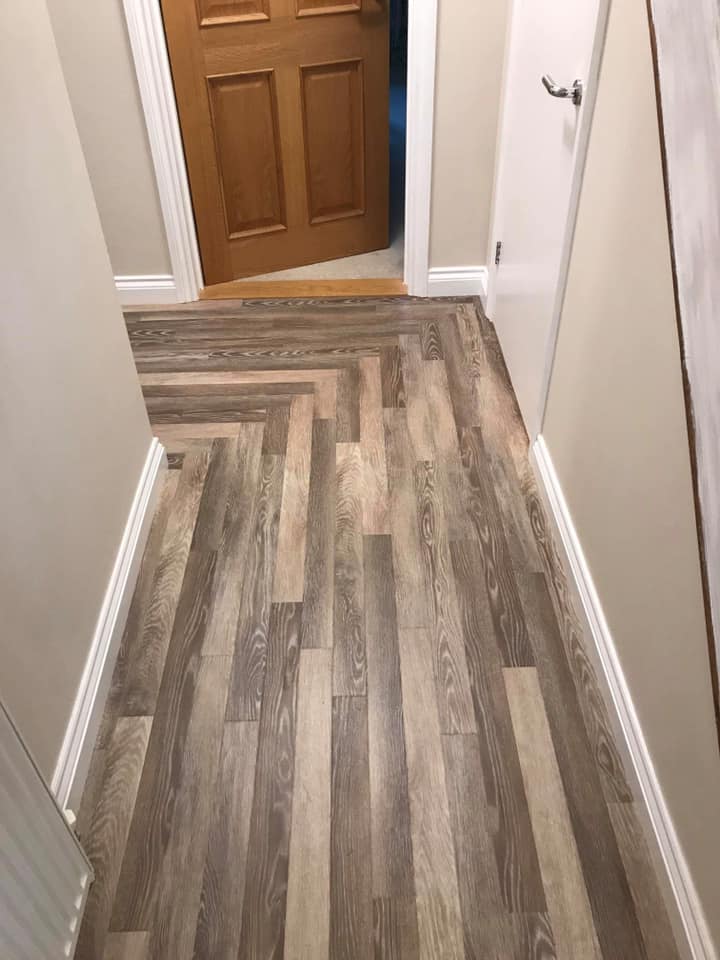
x=514 y=842
x=395 y=929
x=430 y=340
x=453 y=686
x=507 y=610
x=218 y=930
x=391 y=376
x=263 y=911
x=151 y=826
x=248 y=674
x=607 y=885
x=277 y=424
x=349 y=663
x=317 y=623
x=392 y=860
x=348 y=404
x=351 y=915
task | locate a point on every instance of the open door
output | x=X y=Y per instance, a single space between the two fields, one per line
x=283 y=108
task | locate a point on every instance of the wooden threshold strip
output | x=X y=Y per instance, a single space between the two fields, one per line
x=287 y=289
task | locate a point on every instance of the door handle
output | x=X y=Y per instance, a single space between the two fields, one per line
x=574 y=93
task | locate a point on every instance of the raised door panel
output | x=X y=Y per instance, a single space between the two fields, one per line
x=213 y=12
x=333 y=128
x=247 y=146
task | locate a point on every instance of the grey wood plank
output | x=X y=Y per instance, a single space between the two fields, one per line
x=395 y=929
x=217 y=936
x=351 y=913
x=392 y=859
x=349 y=663
x=248 y=675
x=289 y=581
x=318 y=597
x=264 y=902
x=126 y=946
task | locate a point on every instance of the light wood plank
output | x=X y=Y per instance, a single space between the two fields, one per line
x=289 y=581
x=317 y=625
x=307 y=919
x=372 y=443
x=416 y=402
x=349 y=663
x=568 y=904
x=127 y=946
x=436 y=882
x=285 y=289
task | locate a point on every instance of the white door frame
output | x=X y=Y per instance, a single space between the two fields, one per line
x=534 y=428
x=152 y=65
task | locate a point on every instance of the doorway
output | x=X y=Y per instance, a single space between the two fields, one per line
x=148 y=44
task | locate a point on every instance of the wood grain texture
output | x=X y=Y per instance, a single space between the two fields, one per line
x=392 y=860
x=287 y=289
x=363 y=798
x=104 y=841
x=307 y=923
x=217 y=936
x=317 y=623
x=289 y=582
x=263 y=910
x=349 y=662
x=568 y=905
x=372 y=446
x=351 y=913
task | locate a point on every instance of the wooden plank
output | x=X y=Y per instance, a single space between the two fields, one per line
x=568 y=906
x=145 y=667
x=126 y=946
x=652 y=914
x=418 y=413
x=348 y=404
x=391 y=377
x=218 y=932
x=514 y=842
x=372 y=445
x=277 y=428
x=395 y=929
x=104 y=841
x=232 y=552
x=150 y=830
x=615 y=919
x=436 y=881
x=411 y=587
x=289 y=583
x=392 y=860
x=351 y=918
x=177 y=905
x=317 y=622
x=451 y=476
x=213 y=504
x=486 y=927
x=430 y=340
x=168 y=433
x=451 y=674
x=248 y=674
x=484 y=512
x=349 y=664
x=264 y=903
x=307 y=923
x=231 y=378
x=285 y=289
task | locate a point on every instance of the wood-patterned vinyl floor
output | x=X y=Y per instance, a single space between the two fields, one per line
x=353 y=716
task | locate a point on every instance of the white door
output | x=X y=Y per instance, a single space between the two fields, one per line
x=543 y=141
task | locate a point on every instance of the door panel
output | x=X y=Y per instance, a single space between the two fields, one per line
x=542 y=151
x=283 y=108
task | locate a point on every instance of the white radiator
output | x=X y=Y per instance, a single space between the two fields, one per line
x=44 y=874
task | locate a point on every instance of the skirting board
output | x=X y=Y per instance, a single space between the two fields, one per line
x=458 y=282
x=698 y=945
x=141 y=290
x=76 y=751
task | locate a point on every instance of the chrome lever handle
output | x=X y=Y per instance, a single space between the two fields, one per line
x=574 y=93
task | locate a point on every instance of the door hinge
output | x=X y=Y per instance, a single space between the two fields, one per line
x=498 y=253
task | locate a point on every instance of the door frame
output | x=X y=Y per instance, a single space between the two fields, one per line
x=534 y=428
x=152 y=66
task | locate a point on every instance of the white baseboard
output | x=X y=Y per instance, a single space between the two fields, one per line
x=699 y=943
x=141 y=290
x=458 y=282
x=74 y=760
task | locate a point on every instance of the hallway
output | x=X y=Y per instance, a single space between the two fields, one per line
x=353 y=715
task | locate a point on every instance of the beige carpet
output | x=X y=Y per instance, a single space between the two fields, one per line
x=380 y=264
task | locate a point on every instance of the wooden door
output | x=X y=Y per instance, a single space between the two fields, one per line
x=284 y=113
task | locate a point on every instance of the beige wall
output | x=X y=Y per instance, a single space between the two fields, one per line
x=73 y=429
x=100 y=76
x=470 y=55
x=616 y=431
